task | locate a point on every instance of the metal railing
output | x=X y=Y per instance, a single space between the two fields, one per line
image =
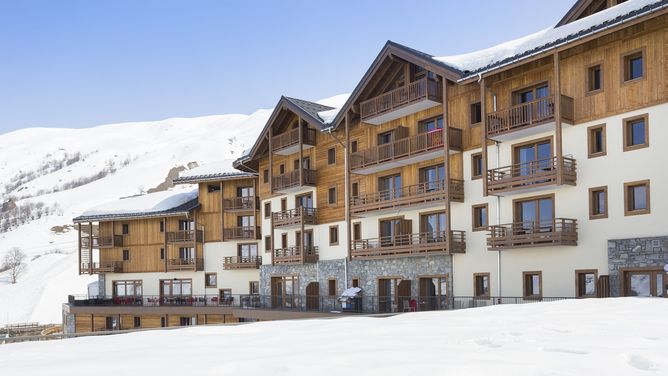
x=421 y=89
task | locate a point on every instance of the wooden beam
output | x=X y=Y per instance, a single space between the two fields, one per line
x=90 y=248
x=557 y=117
x=348 y=187
x=483 y=128
x=165 y=243
x=270 y=168
x=271 y=236
x=446 y=161
x=301 y=151
x=79 y=241
x=222 y=212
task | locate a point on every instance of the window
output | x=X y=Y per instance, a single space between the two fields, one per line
x=432 y=227
x=245 y=192
x=303 y=201
x=125 y=229
x=281 y=169
x=353 y=146
x=476 y=113
x=284 y=204
x=636 y=198
x=389 y=187
x=211 y=188
x=284 y=240
x=594 y=78
x=187 y=254
x=331 y=287
x=163 y=322
x=385 y=138
x=355 y=189
x=331 y=196
x=430 y=125
x=481 y=285
x=534 y=214
x=532 y=284
x=162 y=226
x=585 y=283
x=531 y=94
x=246 y=222
x=176 y=287
x=185 y=321
x=247 y=250
x=211 y=280
x=110 y=323
x=162 y=253
x=533 y=157
x=476 y=166
x=480 y=219
x=185 y=225
x=265 y=176
x=356 y=282
x=254 y=287
x=126 y=255
x=598 y=202
x=636 y=133
x=432 y=178
x=331 y=156
x=137 y=322
x=128 y=288
x=267 y=209
x=596 y=142
x=267 y=243
x=333 y=235
x=357 y=231
x=634 y=65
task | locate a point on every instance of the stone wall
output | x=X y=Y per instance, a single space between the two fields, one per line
x=634 y=253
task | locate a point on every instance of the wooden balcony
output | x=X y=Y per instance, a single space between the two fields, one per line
x=294 y=217
x=242 y=233
x=287 y=142
x=190 y=264
x=291 y=182
x=531 y=176
x=242 y=262
x=407 y=245
x=528 y=119
x=413 y=196
x=102 y=241
x=241 y=204
x=293 y=255
x=416 y=96
x=405 y=151
x=102 y=267
x=558 y=231
x=185 y=236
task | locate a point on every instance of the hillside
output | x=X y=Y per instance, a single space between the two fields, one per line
x=52 y=175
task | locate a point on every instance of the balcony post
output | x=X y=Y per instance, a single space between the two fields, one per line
x=270 y=168
x=446 y=167
x=483 y=128
x=79 y=225
x=222 y=212
x=164 y=220
x=271 y=236
x=194 y=232
x=301 y=151
x=347 y=188
x=301 y=234
x=113 y=233
x=90 y=248
x=557 y=117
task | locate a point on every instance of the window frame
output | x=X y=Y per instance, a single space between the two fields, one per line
x=588 y=78
x=254 y=287
x=628 y=185
x=136 y=322
x=331 y=156
x=471 y=109
x=265 y=176
x=206 y=280
x=267 y=244
x=539 y=273
x=578 y=293
x=592 y=202
x=336 y=229
x=475 y=176
x=126 y=255
x=331 y=282
x=329 y=196
x=626 y=65
x=628 y=121
x=474 y=217
x=267 y=213
x=125 y=229
x=213 y=188
x=591 y=140
x=353 y=146
x=475 y=285
x=125 y=283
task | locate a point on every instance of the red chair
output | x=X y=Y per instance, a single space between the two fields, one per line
x=414 y=306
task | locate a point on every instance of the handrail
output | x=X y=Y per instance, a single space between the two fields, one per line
x=243 y=261
x=408 y=194
x=533 y=227
x=554 y=231
x=184 y=236
x=291 y=137
x=408 y=239
x=241 y=232
x=532 y=167
x=240 y=203
x=527 y=114
x=414 y=91
x=291 y=179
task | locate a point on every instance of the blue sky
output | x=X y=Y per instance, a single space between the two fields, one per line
x=81 y=63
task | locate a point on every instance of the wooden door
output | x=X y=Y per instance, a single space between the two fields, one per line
x=403 y=295
x=313 y=296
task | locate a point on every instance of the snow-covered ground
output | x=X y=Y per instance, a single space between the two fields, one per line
x=141 y=156
x=623 y=336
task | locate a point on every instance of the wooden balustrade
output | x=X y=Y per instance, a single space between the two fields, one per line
x=411 y=195
x=531 y=175
x=292 y=179
x=184 y=236
x=243 y=232
x=295 y=216
x=188 y=264
x=293 y=255
x=406 y=148
x=557 y=231
x=102 y=241
x=404 y=245
x=421 y=89
x=102 y=267
x=247 y=203
x=291 y=137
x=242 y=262
x=527 y=115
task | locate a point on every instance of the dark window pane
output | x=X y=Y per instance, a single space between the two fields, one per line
x=635 y=68
x=637 y=132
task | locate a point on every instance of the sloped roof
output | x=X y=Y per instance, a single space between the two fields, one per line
x=214 y=171
x=310 y=108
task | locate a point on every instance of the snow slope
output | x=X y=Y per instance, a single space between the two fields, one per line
x=140 y=155
x=623 y=336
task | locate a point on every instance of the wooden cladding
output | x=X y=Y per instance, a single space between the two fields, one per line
x=293 y=179
x=294 y=217
x=102 y=241
x=102 y=267
x=247 y=203
x=405 y=148
x=185 y=264
x=242 y=233
x=294 y=255
x=242 y=262
x=556 y=231
x=531 y=174
x=291 y=138
x=412 y=195
x=528 y=115
x=185 y=236
x=404 y=245
x=423 y=89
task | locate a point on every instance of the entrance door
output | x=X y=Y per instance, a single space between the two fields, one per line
x=394 y=294
x=645 y=283
x=533 y=158
x=313 y=296
x=389 y=187
x=433 y=293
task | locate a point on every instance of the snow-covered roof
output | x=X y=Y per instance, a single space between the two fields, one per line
x=163 y=203
x=475 y=62
x=221 y=170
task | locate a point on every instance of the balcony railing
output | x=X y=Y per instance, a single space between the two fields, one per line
x=413 y=195
x=248 y=203
x=102 y=267
x=404 y=245
x=291 y=138
x=428 y=145
x=557 y=231
x=244 y=232
x=294 y=217
x=527 y=115
x=188 y=264
x=102 y=241
x=291 y=180
x=184 y=236
x=531 y=175
x=392 y=100
x=293 y=255
x=242 y=262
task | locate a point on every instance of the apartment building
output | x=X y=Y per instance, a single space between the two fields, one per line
x=523 y=171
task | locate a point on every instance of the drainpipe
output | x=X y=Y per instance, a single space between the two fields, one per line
x=498 y=217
